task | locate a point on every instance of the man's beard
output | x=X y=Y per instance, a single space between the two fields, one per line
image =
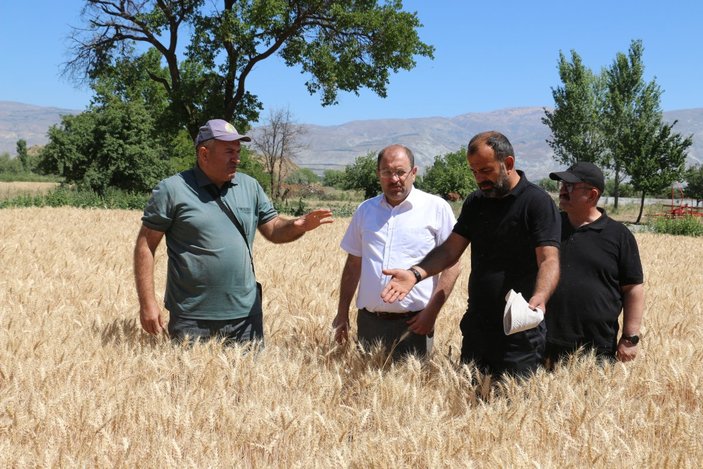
x=500 y=188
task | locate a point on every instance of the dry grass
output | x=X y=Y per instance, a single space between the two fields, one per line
x=15 y=188
x=81 y=385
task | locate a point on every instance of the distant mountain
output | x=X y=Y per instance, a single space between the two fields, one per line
x=334 y=147
x=28 y=122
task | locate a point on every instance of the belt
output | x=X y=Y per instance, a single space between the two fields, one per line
x=386 y=315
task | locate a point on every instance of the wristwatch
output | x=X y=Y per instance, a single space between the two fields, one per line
x=416 y=273
x=632 y=339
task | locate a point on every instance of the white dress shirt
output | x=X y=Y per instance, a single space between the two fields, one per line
x=396 y=237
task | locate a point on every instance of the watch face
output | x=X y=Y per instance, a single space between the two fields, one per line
x=633 y=339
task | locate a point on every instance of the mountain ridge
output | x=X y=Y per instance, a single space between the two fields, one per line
x=336 y=146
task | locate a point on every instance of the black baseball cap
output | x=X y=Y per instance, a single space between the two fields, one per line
x=582 y=171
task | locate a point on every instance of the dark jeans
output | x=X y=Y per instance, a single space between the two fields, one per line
x=387 y=331
x=232 y=331
x=493 y=352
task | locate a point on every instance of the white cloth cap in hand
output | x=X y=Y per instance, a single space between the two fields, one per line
x=518 y=316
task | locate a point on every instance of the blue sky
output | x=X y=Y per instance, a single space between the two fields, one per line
x=487 y=57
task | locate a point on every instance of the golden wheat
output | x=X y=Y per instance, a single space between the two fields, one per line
x=15 y=188
x=82 y=385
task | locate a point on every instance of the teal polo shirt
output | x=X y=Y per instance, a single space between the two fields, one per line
x=210 y=274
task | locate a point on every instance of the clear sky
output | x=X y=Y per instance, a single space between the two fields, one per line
x=489 y=56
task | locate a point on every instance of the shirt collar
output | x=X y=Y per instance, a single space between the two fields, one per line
x=521 y=184
x=410 y=199
x=599 y=223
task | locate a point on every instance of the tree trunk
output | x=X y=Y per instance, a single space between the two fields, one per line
x=616 y=187
x=639 y=216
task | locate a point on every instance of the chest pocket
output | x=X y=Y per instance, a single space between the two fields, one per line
x=417 y=239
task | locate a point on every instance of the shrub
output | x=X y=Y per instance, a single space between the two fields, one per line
x=82 y=198
x=683 y=226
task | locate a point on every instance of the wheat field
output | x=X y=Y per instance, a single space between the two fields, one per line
x=82 y=386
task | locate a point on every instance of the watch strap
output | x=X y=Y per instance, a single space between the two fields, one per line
x=633 y=339
x=416 y=273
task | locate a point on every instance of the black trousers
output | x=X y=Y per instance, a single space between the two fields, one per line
x=388 y=330
x=493 y=352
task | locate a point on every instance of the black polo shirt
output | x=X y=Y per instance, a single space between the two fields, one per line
x=596 y=260
x=504 y=233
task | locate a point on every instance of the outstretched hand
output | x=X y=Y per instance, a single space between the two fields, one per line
x=314 y=219
x=402 y=281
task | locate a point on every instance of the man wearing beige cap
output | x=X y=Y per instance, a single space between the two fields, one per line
x=209 y=215
x=601 y=274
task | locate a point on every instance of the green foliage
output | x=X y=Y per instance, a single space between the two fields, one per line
x=333 y=178
x=22 y=155
x=615 y=120
x=548 y=184
x=694 y=182
x=104 y=147
x=297 y=209
x=575 y=123
x=657 y=159
x=683 y=226
x=10 y=166
x=303 y=176
x=362 y=175
x=181 y=152
x=624 y=189
x=638 y=140
x=81 y=198
x=449 y=173
x=14 y=169
x=251 y=166
x=344 y=45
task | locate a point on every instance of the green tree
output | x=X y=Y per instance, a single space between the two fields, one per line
x=127 y=81
x=575 y=121
x=694 y=183
x=656 y=159
x=625 y=189
x=342 y=45
x=333 y=178
x=252 y=166
x=631 y=115
x=9 y=166
x=549 y=185
x=362 y=175
x=449 y=173
x=23 y=155
x=110 y=146
x=615 y=120
x=640 y=144
x=303 y=176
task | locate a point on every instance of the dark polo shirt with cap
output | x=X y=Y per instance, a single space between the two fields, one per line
x=209 y=271
x=597 y=259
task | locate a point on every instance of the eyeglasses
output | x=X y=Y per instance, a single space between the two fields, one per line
x=389 y=174
x=570 y=186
